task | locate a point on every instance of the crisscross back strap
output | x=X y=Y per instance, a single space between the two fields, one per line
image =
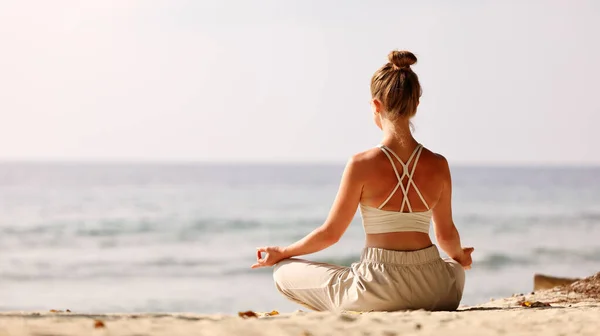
x=406 y=172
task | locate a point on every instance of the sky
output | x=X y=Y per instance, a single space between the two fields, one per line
x=504 y=82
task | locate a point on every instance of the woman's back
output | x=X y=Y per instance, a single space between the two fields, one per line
x=405 y=183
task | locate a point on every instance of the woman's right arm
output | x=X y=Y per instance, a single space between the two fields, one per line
x=445 y=231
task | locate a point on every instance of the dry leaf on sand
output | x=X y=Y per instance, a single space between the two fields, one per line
x=534 y=304
x=247 y=314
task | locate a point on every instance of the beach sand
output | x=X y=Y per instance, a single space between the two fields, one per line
x=574 y=310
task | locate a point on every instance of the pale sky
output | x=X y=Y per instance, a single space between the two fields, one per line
x=505 y=82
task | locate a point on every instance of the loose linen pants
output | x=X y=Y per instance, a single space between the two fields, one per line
x=383 y=280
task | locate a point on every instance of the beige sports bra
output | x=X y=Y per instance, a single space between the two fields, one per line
x=376 y=220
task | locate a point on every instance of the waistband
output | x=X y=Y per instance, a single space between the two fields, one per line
x=379 y=255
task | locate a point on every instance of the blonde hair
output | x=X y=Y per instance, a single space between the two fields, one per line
x=396 y=86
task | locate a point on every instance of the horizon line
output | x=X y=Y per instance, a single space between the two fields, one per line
x=175 y=162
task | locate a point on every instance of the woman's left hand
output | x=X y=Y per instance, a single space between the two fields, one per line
x=274 y=254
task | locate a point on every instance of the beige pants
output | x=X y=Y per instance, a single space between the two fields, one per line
x=383 y=280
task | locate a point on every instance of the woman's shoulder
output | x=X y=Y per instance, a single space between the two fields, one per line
x=435 y=156
x=436 y=160
x=366 y=155
x=362 y=163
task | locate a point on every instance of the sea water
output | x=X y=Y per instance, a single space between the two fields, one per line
x=181 y=237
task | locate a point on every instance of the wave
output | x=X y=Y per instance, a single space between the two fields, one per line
x=510 y=221
x=158 y=268
x=154 y=268
x=186 y=229
x=538 y=256
x=590 y=216
x=115 y=227
x=497 y=261
x=560 y=254
x=172 y=262
x=169 y=267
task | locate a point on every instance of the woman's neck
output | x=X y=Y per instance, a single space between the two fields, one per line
x=398 y=133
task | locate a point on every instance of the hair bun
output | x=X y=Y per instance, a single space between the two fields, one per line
x=402 y=59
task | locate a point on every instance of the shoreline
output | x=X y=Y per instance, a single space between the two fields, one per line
x=564 y=310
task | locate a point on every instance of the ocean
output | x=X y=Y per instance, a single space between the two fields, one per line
x=119 y=237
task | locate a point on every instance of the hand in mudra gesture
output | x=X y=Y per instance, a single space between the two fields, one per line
x=274 y=254
x=465 y=260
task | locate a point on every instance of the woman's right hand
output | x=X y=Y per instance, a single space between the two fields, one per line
x=274 y=254
x=465 y=259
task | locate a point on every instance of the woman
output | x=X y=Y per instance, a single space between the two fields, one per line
x=399 y=187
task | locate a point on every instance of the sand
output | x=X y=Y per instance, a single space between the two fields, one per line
x=572 y=311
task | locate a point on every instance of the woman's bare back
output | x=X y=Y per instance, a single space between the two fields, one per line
x=428 y=175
